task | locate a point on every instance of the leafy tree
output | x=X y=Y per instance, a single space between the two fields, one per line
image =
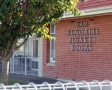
x=24 y=18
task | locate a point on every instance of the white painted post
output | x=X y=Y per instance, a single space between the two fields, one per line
x=38 y=66
x=25 y=65
x=13 y=63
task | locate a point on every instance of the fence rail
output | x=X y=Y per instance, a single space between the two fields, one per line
x=71 y=85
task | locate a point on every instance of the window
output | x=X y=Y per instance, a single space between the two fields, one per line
x=26 y=49
x=52 y=43
x=34 y=61
x=35 y=48
x=34 y=65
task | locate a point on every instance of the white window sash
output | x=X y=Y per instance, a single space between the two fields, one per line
x=52 y=52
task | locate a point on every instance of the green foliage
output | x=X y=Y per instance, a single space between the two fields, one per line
x=20 y=18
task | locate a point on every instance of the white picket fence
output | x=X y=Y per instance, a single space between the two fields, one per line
x=72 y=85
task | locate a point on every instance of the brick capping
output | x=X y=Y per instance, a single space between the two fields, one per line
x=90 y=12
x=93 y=4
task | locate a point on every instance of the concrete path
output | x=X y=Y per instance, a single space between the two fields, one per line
x=31 y=78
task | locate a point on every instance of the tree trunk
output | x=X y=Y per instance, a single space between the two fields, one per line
x=5 y=71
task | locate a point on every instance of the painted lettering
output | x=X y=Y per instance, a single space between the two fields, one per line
x=77 y=24
x=81 y=40
x=81 y=24
x=68 y=33
x=93 y=39
x=97 y=31
x=90 y=48
x=76 y=32
x=85 y=40
x=85 y=24
x=82 y=32
x=93 y=32
x=81 y=48
x=70 y=40
x=87 y=36
x=73 y=48
x=85 y=32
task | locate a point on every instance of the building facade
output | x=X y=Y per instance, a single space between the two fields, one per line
x=83 y=46
x=82 y=49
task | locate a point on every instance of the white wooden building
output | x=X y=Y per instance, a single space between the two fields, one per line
x=28 y=59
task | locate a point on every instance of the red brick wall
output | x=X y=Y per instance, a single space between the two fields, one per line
x=94 y=4
x=81 y=65
x=47 y=71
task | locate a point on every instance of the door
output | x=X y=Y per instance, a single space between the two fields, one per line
x=35 y=51
x=35 y=48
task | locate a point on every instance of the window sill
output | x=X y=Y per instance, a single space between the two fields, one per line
x=50 y=64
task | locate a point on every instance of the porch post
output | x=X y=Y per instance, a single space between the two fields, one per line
x=13 y=63
x=25 y=65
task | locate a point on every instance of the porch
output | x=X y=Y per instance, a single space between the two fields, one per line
x=24 y=65
x=28 y=59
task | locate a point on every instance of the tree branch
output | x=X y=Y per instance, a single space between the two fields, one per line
x=23 y=14
x=11 y=50
x=22 y=42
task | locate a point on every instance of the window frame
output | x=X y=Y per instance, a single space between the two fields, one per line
x=52 y=59
x=34 y=48
x=34 y=67
x=26 y=48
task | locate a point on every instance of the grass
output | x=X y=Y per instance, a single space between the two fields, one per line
x=16 y=81
x=11 y=81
